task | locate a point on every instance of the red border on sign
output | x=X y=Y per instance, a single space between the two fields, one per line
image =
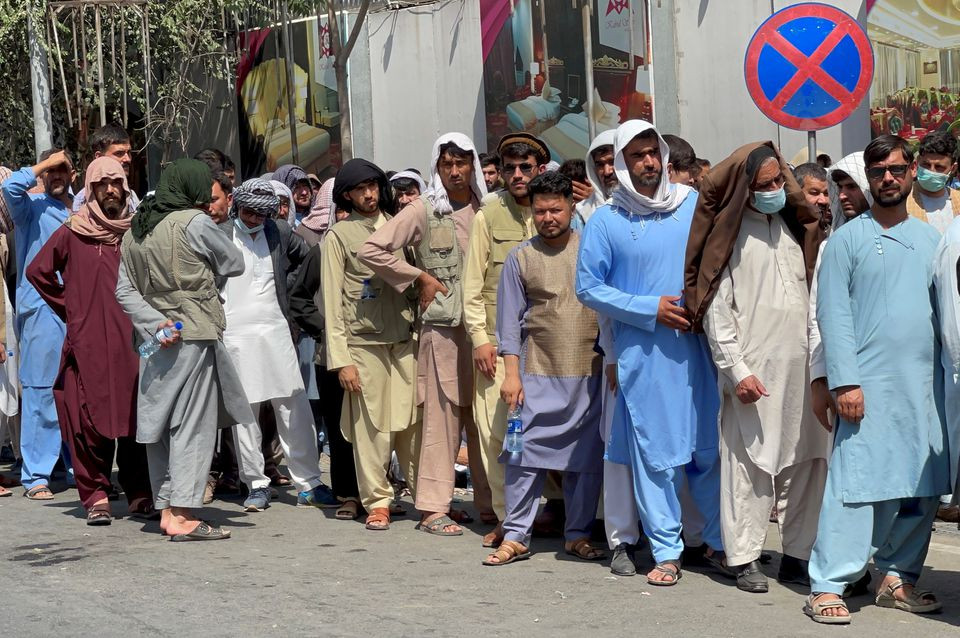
x=809 y=67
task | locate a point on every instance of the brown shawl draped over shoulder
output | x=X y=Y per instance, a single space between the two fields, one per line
x=724 y=194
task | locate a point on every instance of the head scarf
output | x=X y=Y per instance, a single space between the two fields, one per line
x=436 y=193
x=257 y=195
x=267 y=176
x=90 y=221
x=282 y=190
x=854 y=166
x=314 y=181
x=323 y=213
x=724 y=195
x=6 y=222
x=667 y=198
x=422 y=185
x=184 y=184
x=356 y=172
x=290 y=174
x=600 y=194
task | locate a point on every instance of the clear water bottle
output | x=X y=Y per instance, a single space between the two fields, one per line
x=368 y=291
x=149 y=348
x=514 y=441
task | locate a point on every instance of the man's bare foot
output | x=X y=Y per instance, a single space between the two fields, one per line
x=904 y=592
x=494 y=538
x=830 y=611
x=180 y=521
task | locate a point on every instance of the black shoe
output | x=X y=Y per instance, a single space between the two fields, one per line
x=622 y=562
x=751 y=579
x=693 y=555
x=793 y=571
x=859 y=588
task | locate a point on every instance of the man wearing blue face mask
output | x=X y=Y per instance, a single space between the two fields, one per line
x=932 y=200
x=261 y=347
x=754 y=314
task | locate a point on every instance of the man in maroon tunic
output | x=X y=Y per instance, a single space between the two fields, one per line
x=96 y=389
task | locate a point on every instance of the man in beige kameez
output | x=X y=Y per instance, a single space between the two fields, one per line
x=437 y=226
x=503 y=222
x=370 y=343
x=772 y=450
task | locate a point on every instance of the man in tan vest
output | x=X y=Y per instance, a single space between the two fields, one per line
x=370 y=343
x=437 y=226
x=932 y=201
x=190 y=386
x=503 y=221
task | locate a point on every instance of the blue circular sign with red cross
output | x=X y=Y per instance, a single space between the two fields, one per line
x=809 y=66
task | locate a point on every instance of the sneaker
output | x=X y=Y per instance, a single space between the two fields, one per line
x=321 y=496
x=258 y=500
x=622 y=562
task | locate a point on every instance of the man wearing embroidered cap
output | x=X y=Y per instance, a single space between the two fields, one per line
x=437 y=226
x=503 y=221
x=96 y=387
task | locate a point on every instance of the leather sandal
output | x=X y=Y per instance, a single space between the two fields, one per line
x=582 y=549
x=815 y=610
x=669 y=568
x=39 y=493
x=751 y=579
x=508 y=552
x=378 y=519
x=99 y=515
x=915 y=602
x=439 y=525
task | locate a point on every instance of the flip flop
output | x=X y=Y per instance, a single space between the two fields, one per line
x=437 y=525
x=202 y=532
x=5 y=492
x=35 y=492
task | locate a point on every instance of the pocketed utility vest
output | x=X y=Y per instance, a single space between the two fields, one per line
x=440 y=255
x=915 y=204
x=174 y=279
x=385 y=318
x=507 y=229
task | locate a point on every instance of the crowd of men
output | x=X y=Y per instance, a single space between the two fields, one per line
x=673 y=344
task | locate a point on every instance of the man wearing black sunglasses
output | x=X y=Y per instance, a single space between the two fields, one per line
x=889 y=463
x=503 y=221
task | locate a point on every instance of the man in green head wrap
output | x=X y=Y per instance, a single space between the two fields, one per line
x=171 y=260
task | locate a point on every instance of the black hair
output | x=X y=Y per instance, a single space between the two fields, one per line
x=212 y=157
x=703 y=163
x=413 y=170
x=824 y=160
x=810 y=169
x=575 y=169
x=881 y=147
x=455 y=151
x=390 y=174
x=601 y=150
x=403 y=184
x=939 y=143
x=520 y=150
x=225 y=182
x=486 y=159
x=551 y=183
x=108 y=135
x=682 y=155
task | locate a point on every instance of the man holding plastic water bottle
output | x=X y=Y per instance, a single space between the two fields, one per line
x=552 y=380
x=189 y=386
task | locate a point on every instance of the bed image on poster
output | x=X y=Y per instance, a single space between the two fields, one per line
x=266 y=140
x=916 y=84
x=538 y=84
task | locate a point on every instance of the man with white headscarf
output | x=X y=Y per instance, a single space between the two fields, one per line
x=752 y=246
x=437 y=227
x=602 y=176
x=407 y=186
x=631 y=271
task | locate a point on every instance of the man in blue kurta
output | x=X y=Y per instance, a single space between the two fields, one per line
x=665 y=422
x=878 y=322
x=546 y=338
x=41 y=332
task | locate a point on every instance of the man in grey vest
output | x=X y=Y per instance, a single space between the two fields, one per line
x=171 y=260
x=437 y=227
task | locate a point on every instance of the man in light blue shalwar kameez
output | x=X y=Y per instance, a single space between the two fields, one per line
x=40 y=331
x=879 y=325
x=630 y=269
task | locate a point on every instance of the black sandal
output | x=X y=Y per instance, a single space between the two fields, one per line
x=99 y=516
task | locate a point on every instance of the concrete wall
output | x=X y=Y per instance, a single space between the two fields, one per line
x=710 y=103
x=422 y=71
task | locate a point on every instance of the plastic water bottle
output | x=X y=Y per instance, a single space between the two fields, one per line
x=514 y=431
x=149 y=348
x=368 y=291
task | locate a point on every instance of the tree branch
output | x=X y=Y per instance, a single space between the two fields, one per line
x=355 y=31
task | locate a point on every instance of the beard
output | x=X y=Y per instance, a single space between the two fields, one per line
x=889 y=201
x=647 y=180
x=112 y=207
x=367 y=207
x=57 y=189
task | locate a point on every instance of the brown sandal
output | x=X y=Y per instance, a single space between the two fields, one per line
x=378 y=519
x=583 y=550
x=348 y=510
x=508 y=552
x=99 y=515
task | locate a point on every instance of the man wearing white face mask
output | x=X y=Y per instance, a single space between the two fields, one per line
x=748 y=284
x=932 y=201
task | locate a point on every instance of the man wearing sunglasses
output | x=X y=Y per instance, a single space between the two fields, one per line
x=889 y=462
x=503 y=221
x=932 y=201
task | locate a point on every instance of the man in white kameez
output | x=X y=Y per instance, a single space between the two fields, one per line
x=262 y=350
x=772 y=450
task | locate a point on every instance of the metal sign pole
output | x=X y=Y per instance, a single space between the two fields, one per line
x=812 y=146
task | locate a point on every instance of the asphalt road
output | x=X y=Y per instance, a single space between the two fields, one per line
x=299 y=572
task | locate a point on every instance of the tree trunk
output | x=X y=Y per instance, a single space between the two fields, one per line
x=341 y=53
